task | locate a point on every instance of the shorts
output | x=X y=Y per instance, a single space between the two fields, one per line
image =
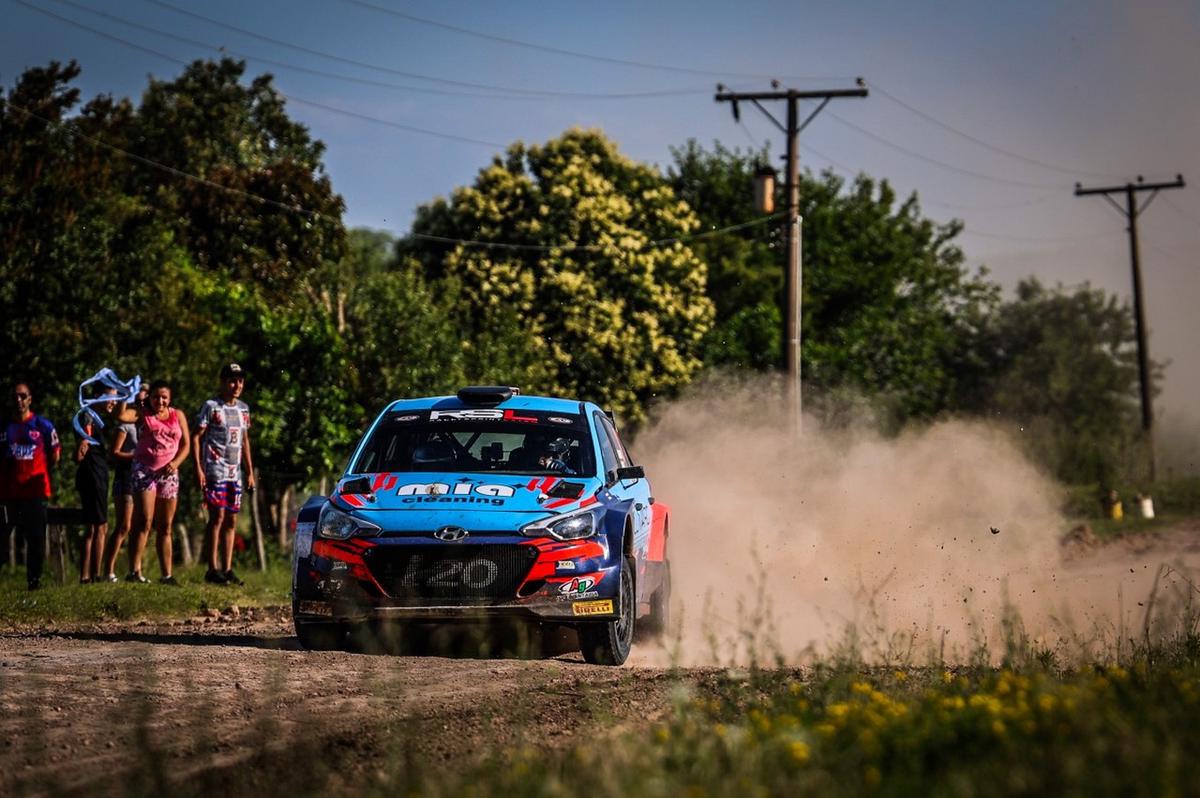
x=143 y=480
x=225 y=496
x=93 y=495
x=123 y=484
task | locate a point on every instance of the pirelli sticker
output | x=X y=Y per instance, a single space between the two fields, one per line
x=602 y=607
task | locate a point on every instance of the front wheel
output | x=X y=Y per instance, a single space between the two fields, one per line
x=321 y=636
x=608 y=643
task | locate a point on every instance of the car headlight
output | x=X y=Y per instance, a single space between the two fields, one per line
x=335 y=524
x=568 y=526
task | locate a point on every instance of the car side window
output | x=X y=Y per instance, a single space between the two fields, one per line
x=607 y=453
x=623 y=458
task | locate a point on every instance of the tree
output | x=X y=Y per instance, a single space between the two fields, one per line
x=89 y=275
x=591 y=308
x=110 y=260
x=266 y=212
x=1062 y=366
x=401 y=328
x=745 y=272
x=888 y=308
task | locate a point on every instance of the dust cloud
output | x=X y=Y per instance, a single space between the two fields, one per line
x=902 y=547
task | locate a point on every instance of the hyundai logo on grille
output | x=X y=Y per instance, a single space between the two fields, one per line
x=451 y=533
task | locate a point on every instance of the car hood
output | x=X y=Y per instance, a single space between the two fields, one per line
x=497 y=501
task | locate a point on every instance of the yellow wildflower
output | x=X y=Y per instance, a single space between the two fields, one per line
x=800 y=752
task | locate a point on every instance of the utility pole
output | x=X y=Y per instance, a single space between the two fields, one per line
x=792 y=275
x=1131 y=212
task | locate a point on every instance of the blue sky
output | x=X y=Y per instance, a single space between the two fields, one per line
x=1097 y=92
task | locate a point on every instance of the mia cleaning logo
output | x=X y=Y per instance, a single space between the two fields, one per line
x=462 y=493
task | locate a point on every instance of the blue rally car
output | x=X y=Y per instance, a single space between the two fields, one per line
x=483 y=505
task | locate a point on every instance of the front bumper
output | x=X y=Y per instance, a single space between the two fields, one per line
x=419 y=578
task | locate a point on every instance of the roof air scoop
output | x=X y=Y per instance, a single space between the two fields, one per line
x=486 y=395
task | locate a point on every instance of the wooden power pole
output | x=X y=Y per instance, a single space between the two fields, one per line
x=1131 y=212
x=792 y=276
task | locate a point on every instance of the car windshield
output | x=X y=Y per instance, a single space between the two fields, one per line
x=479 y=440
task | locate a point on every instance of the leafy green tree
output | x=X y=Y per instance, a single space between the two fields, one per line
x=90 y=275
x=597 y=311
x=109 y=261
x=1062 y=367
x=889 y=309
x=241 y=141
x=745 y=273
x=400 y=327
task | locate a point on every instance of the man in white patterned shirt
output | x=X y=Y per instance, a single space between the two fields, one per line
x=220 y=444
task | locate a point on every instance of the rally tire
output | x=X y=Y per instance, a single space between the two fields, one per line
x=608 y=643
x=659 y=619
x=321 y=636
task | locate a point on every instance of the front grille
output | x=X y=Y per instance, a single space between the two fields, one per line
x=452 y=573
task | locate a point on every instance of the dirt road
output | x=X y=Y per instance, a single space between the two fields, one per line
x=199 y=702
x=83 y=708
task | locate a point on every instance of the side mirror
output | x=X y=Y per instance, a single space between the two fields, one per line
x=631 y=472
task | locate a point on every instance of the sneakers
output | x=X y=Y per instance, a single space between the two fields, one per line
x=215 y=577
x=168 y=580
x=231 y=578
x=134 y=576
x=109 y=578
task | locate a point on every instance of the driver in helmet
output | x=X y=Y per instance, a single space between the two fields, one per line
x=554 y=455
x=541 y=451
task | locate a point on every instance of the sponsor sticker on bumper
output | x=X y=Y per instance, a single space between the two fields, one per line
x=603 y=607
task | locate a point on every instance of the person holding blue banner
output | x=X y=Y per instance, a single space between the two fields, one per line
x=91 y=480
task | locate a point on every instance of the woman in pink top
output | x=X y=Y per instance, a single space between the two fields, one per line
x=161 y=448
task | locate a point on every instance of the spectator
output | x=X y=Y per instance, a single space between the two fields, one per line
x=163 y=445
x=91 y=480
x=29 y=448
x=122 y=487
x=221 y=444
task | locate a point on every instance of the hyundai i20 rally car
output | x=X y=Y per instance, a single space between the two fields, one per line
x=486 y=505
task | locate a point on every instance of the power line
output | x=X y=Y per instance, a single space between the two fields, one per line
x=659 y=242
x=1180 y=211
x=492 y=91
x=887 y=143
x=520 y=92
x=388 y=123
x=652 y=244
x=74 y=131
x=971 y=231
x=849 y=173
x=986 y=145
x=1182 y=260
x=291 y=98
x=578 y=54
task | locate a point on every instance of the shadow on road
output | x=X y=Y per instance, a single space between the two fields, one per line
x=456 y=641
x=271 y=642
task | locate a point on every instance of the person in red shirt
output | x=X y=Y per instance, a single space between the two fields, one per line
x=29 y=448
